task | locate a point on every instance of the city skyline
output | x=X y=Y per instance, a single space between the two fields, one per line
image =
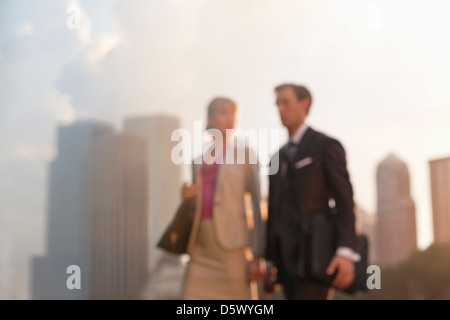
x=110 y=198
x=152 y=117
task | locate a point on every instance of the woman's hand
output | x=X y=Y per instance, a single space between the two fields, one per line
x=188 y=191
x=255 y=272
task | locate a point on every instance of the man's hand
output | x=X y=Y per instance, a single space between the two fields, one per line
x=345 y=271
x=270 y=280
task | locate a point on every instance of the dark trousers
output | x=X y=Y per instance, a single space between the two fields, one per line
x=301 y=289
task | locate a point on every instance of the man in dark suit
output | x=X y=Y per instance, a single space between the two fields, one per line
x=312 y=179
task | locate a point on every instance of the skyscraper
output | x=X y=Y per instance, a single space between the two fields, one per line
x=68 y=213
x=366 y=224
x=164 y=176
x=440 y=198
x=119 y=233
x=396 y=226
x=6 y=288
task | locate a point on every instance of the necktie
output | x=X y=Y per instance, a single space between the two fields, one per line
x=291 y=150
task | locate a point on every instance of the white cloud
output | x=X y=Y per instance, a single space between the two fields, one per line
x=84 y=33
x=101 y=46
x=67 y=115
x=25 y=29
x=34 y=152
x=79 y=21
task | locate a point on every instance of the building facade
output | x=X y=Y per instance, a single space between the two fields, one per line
x=396 y=231
x=163 y=175
x=68 y=214
x=119 y=233
x=440 y=198
x=6 y=270
x=163 y=196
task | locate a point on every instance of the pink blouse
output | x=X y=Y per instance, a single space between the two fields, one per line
x=209 y=175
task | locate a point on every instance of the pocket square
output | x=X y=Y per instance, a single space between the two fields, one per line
x=304 y=162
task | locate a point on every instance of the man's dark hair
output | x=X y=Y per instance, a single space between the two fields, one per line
x=300 y=91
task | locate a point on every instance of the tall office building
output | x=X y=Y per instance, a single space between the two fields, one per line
x=119 y=233
x=396 y=226
x=6 y=276
x=164 y=176
x=366 y=224
x=68 y=214
x=440 y=198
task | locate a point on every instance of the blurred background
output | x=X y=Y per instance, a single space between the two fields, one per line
x=91 y=91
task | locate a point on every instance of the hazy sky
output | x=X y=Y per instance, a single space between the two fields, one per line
x=379 y=72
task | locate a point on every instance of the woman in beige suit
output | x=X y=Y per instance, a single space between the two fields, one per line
x=226 y=242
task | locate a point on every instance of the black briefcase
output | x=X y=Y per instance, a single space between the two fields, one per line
x=176 y=237
x=321 y=248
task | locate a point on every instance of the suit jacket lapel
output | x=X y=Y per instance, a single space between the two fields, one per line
x=281 y=175
x=304 y=145
x=286 y=162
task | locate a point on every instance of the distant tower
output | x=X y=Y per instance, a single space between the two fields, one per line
x=396 y=227
x=440 y=198
x=68 y=213
x=366 y=224
x=119 y=233
x=6 y=289
x=164 y=176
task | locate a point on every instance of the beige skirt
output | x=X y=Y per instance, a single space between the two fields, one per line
x=214 y=273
